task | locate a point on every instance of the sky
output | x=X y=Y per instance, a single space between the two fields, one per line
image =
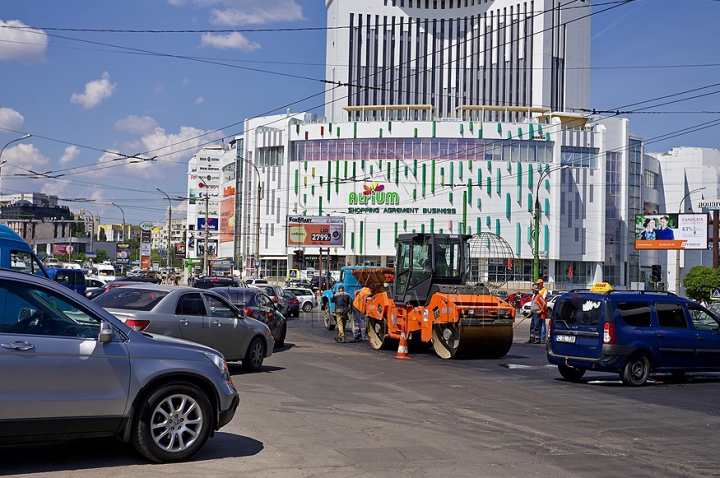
x=155 y=80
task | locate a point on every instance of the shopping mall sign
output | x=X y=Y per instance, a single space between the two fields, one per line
x=374 y=194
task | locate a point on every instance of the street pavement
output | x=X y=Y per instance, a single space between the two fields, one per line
x=318 y=408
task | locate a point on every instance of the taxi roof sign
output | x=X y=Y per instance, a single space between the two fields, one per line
x=601 y=287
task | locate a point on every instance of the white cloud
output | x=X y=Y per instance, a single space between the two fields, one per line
x=18 y=160
x=21 y=43
x=245 y=12
x=95 y=92
x=136 y=125
x=11 y=119
x=231 y=40
x=71 y=152
x=199 y=100
x=170 y=149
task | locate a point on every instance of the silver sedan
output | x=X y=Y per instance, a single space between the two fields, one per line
x=200 y=316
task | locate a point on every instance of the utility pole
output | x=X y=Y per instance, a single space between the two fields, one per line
x=169 y=261
x=677 y=251
x=536 y=226
x=207 y=230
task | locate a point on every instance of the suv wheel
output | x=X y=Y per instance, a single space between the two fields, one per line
x=636 y=370
x=254 y=356
x=172 y=423
x=570 y=374
x=307 y=307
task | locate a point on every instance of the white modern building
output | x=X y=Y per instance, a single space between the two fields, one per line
x=454 y=117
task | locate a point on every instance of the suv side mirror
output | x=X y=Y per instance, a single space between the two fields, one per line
x=106 y=332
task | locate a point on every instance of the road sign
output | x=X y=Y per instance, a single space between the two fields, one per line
x=715 y=294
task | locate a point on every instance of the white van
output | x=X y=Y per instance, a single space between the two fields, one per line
x=105 y=272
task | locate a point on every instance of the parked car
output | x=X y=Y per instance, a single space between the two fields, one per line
x=501 y=294
x=201 y=316
x=250 y=282
x=93 y=283
x=73 y=279
x=277 y=295
x=328 y=282
x=308 y=299
x=209 y=282
x=519 y=298
x=632 y=334
x=293 y=303
x=112 y=380
x=298 y=283
x=141 y=278
x=110 y=285
x=256 y=304
x=16 y=254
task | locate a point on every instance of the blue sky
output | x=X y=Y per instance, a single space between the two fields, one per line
x=84 y=95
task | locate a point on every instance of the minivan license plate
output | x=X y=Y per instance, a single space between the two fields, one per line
x=570 y=339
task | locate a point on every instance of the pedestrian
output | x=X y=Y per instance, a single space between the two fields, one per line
x=359 y=310
x=536 y=307
x=342 y=301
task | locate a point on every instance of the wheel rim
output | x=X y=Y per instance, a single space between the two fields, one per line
x=176 y=423
x=638 y=370
x=256 y=354
x=307 y=307
x=445 y=340
x=376 y=333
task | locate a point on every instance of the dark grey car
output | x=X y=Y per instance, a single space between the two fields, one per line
x=70 y=369
x=197 y=315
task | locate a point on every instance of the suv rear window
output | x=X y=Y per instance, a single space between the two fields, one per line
x=578 y=311
x=635 y=314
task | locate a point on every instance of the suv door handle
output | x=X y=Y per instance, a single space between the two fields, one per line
x=218 y=323
x=18 y=346
x=661 y=336
x=183 y=322
x=701 y=338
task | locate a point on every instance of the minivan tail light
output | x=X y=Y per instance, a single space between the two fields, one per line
x=609 y=334
x=136 y=324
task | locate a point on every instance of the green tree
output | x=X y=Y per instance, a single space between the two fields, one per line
x=102 y=236
x=102 y=255
x=699 y=282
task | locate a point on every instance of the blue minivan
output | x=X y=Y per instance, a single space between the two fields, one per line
x=632 y=334
x=16 y=254
x=71 y=278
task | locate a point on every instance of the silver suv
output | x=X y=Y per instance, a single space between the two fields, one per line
x=70 y=369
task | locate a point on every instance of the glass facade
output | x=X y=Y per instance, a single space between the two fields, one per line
x=613 y=218
x=577 y=156
x=635 y=204
x=422 y=149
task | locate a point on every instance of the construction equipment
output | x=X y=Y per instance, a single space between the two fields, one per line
x=428 y=299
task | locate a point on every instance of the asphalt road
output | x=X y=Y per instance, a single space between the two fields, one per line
x=318 y=408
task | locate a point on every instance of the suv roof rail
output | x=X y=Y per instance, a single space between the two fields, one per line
x=618 y=291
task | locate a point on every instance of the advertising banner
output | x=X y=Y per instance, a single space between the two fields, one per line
x=63 y=250
x=671 y=231
x=212 y=223
x=321 y=231
x=123 y=254
x=180 y=250
x=227 y=219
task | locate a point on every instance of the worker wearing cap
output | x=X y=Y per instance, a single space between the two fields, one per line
x=538 y=310
x=543 y=292
x=342 y=301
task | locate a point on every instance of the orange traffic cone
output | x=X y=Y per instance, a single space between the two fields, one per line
x=402 y=352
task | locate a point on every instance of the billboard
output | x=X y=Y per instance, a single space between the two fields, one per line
x=321 y=231
x=671 y=231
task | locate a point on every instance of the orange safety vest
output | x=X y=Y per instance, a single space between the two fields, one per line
x=542 y=303
x=360 y=299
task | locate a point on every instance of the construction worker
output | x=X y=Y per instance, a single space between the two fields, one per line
x=359 y=310
x=544 y=293
x=342 y=301
x=537 y=304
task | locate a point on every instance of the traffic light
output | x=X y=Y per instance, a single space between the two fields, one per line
x=656 y=275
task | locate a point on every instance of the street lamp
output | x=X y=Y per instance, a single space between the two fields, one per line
x=207 y=231
x=169 y=226
x=122 y=239
x=92 y=218
x=536 y=231
x=677 y=251
x=3 y=149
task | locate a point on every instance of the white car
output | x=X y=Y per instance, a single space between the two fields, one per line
x=307 y=298
x=93 y=282
x=551 y=303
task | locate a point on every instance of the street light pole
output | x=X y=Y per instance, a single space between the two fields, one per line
x=677 y=251
x=122 y=239
x=536 y=227
x=3 y=149
x=207 y=231
x=169 y=262
x=256 y=255
x=92 y=234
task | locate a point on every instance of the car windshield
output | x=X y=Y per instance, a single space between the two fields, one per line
x=578 y=311
x=130 y=298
